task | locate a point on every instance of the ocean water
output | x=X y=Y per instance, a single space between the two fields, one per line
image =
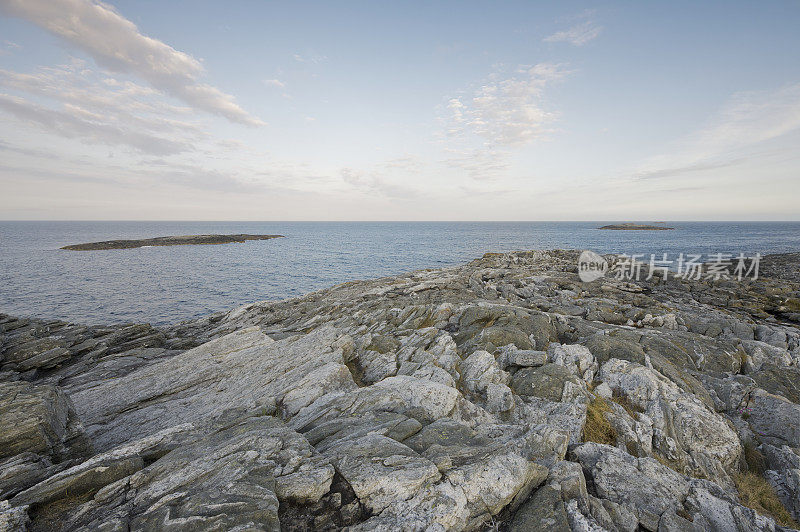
x=170 y=284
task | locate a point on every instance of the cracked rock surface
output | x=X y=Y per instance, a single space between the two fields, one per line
x=504 y=393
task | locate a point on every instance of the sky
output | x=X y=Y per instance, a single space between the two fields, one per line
x=191 y=110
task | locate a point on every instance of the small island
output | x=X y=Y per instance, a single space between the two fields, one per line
x=636 y=227
x=168 y=241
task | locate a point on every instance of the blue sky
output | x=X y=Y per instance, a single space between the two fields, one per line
x=399 y=111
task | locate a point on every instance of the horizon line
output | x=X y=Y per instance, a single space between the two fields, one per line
x=405 y=221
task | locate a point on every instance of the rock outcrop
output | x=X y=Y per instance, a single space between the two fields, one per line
x=455 y=399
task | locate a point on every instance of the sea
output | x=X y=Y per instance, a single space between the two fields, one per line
x=164 y=285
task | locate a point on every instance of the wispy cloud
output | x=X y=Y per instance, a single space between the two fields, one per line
x=32 y=152
x=577 y=35
x=479 y=163
x=407 y=163
x=507 y=110
x=8 y=47
x=688 y=169
x=116 y=44
x=275 y=83
x=372 y=183
x=746 y=121
x=310 y=57
x=74 y=101
x=76 y=122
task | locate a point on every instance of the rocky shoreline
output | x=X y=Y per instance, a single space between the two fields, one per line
x=504 y=393
x=185 y=240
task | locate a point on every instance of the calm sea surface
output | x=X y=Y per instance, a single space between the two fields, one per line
x=169 y=284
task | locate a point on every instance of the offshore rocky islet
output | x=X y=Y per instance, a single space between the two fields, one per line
x=185 y=240
x=635 y=227
x=456 y=399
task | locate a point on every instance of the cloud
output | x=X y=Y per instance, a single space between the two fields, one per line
x=68 y=176
x=75 y=85
x=577 y=35
x=745 y=123
x=8 y=46
x=75 y=122
x=507 y=111
x=116 y=44
x=31 y=152
x=310 y=58
x=169 y=146
x=688 y=169
x=76 y=102
x=376 y=184
x=407 y=163
x=275 y=83
x=480 y=163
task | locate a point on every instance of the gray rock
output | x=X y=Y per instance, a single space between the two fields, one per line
x=13 y=519
x=604 y=390
x=81 y=480
x=685 y=430
x=393 y=425
x=422 y=399
x=577 y=358
x=444 y=432
x=244 y=370
x=499 y=398
x=771 y=335
x=713 y=512
x=35 y=353
x=774 y=419
x=544 y=511
x=479 y=370
x=546 y=382
x=38 y=419
x=672 y=522
x=642 y=482
x=381 y=470
x=786 y=484
x=522 y=359
x=232 y=479
x=24 y=470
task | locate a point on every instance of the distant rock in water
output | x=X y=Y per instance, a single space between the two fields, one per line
x=168 y=241
x=636 y=227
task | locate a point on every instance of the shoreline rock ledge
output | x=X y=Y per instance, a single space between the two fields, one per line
x=501 y=393
x=184 y=240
